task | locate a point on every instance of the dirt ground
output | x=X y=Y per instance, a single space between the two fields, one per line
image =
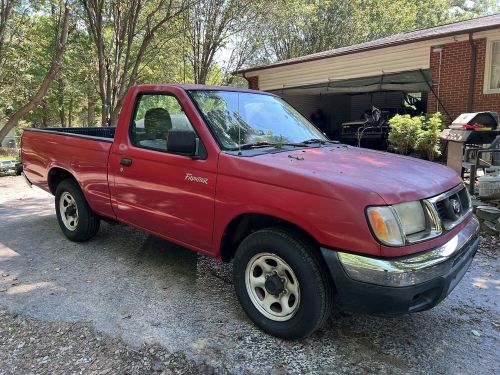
x=130 y=303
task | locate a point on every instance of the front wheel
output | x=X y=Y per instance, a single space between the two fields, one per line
x=281 y=283
x=74 y=215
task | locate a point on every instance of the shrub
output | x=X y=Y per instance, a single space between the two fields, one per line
x=419 y=133
x=404 y=133
x=428 y=142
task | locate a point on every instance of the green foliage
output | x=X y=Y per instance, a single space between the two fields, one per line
x=419 y=133
x=404 y=132
x=27 y=53
x=293 y=28
x=29 y=46
x=148 y=102
x=428 y=141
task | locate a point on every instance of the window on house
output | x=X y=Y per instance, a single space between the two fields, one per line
x=494 y=71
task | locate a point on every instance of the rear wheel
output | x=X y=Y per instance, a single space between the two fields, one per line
x=281 y=283
x=74 y=215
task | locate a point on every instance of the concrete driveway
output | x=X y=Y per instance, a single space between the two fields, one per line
x=143 y=291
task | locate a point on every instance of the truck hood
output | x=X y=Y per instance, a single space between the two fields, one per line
x=394 y=178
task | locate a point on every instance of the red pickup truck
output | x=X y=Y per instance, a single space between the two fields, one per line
x=240 y=175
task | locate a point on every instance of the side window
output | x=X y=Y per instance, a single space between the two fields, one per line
x=494 y=84
x=155 y=116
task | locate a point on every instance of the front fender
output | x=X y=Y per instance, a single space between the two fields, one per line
x=338 y=224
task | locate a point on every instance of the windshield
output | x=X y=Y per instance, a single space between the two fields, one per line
x=242 y=118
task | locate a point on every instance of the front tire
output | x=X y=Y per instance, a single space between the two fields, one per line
x=282 y=284
x=76 y=219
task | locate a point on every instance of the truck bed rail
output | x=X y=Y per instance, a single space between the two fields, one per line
x=103 y=134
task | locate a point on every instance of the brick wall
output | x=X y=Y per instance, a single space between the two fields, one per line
x=452 y=80
x=253 y=82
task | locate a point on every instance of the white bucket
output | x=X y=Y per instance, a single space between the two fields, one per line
x=489 y=185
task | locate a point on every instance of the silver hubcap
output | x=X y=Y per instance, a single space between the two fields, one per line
x=68 y=210
x=272 y=286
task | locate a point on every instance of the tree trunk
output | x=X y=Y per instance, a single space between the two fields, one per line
x=90 y=107
x=5 y=9
x=119 y=61
x=94 y=11
x=60 y=101
x=47 y=81
x=45 y=119
x=70 y=113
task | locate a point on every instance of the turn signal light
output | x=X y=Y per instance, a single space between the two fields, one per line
x=385 y=225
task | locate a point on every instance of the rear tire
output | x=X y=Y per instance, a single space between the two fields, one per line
x=282 y=284
x=76 y=219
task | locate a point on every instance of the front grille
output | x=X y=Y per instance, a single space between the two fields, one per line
x=441 y=209
x=452 y=206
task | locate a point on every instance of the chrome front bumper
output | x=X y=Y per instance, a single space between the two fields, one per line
x=410 y=270
x=401 y=285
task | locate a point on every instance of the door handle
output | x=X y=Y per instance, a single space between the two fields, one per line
x=126 y=161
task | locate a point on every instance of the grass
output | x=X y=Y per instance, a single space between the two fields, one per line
x=3 y=158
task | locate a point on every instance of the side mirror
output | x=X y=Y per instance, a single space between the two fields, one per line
x=182 y=142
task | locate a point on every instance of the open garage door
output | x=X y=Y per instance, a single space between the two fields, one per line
x=345 y=101
x=409 y=81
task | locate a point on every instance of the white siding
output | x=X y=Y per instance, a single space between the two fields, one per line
x=411 y=56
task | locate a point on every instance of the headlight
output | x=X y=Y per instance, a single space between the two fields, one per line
x=411 y=216
x=402 y=223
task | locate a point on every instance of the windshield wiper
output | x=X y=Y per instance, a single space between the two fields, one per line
x=248 y=146
x=320 y=141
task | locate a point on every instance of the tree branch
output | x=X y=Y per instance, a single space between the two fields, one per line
x=47 y=81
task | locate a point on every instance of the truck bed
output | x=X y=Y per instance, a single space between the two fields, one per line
x=83 y=152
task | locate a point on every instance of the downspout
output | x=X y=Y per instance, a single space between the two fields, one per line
x=472 y=74
x=439 y=78
x=248 y=82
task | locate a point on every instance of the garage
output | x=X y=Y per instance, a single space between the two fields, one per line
x=340 y=107
x=449 y=69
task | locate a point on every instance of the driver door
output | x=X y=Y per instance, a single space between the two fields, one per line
x=152 y=190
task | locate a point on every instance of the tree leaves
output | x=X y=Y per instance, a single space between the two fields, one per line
x=294 y=28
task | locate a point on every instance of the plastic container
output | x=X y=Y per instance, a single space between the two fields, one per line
x=489 y=185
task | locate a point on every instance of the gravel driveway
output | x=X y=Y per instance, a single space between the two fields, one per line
x=128 y=302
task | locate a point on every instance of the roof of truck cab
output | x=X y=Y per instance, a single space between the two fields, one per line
x=194 y=87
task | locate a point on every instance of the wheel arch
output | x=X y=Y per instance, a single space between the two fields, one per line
x=56 y=175
x=244 y=224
